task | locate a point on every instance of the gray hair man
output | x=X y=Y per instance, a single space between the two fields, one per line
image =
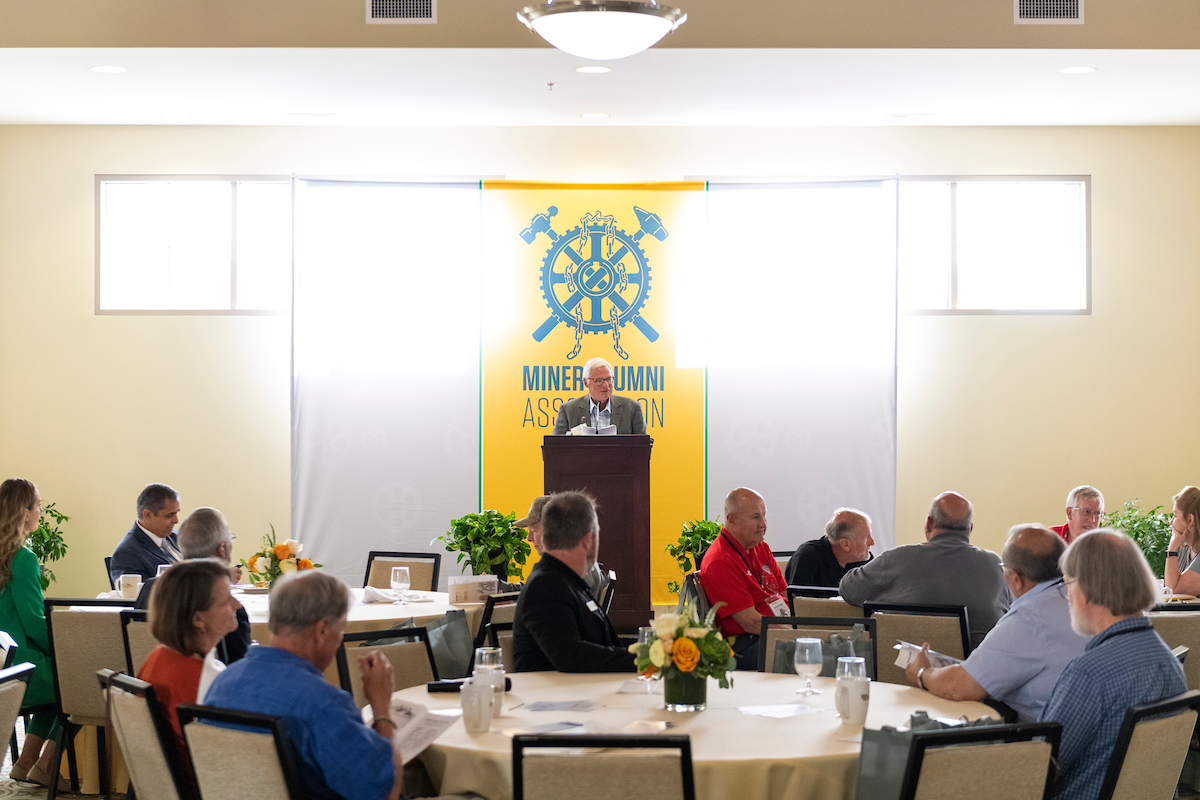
x=600 y=408
x=338 y=753
x=558 y=625
x=151 y=541
x=1125 y=664
x=1021 y=659
x=825 y=561
x=944 y=570
x=1085 y=505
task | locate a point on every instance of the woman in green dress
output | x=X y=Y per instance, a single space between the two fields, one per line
x=23 y=617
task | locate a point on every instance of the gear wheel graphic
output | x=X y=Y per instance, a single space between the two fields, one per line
x=596 y=278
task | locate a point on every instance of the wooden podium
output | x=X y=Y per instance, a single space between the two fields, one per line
x=616 y=471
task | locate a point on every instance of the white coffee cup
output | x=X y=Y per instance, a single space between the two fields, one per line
x=130 y=585
x=851 y=696
x=477 y=702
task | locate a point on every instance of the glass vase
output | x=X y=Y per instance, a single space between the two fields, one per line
x=684 y=692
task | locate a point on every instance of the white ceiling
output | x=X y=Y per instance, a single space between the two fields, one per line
x=297 y=86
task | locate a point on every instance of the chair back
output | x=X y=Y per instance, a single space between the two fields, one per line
x=1151 y=747
x=13 y=682
x=944 y=627
x=499 y=607
x=108 y=572
x=802 y=590
x=8 y=650
x=782 y=557
x=85 y=637
x=423 y=569
x=610 y=591
x=566 y=770
x=225 y=758
x=136 y=636
x=146 y=738
x=693 y=594
x=814 y=627
x=412 y=660
x=500 y=634
x=1180 y=628
x=803 y=606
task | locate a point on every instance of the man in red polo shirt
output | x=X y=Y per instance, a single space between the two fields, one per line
x=740 y=571
x=1085 y=504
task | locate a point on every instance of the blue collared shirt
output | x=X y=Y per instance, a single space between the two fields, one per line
x=1126 y=665
x=339 y=756
x=1022 y=658
x=601 y=419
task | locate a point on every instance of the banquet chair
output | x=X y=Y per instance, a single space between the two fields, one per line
x=423 y=569
x=1150 y=749
x=997 y=762
x=815 y=627
x=564 y=771
x=610 y=591
x=782 y=557
x=227 y=760
x=814 y=601
x=156 y=769
x=412 y=660
x=693 y=594
x=802 y=590
x=108 y=573
x=499 y=634
x=137 y=639
x=499 y=607
x=13 y=681
x=1178 y=629
x=944 y=627
x=8 y=651
x=85 y=637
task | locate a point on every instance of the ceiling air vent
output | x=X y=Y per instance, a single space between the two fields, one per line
x=1048 y=12
x=401 y=12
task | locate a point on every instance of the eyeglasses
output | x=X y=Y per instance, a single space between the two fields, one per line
x=602 y=381
x=1083 y=512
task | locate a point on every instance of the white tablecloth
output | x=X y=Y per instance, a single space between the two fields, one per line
x=735 y=755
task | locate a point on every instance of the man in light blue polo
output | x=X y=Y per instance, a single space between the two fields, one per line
x=1021 y=659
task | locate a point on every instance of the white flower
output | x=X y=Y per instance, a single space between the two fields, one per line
x=287 y=565
x=696 y=633
x=294 y=548
x=657 y=656
x=665 y=625
x=261 y=565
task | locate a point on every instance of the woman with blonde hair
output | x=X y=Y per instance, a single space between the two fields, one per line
x=1182 y=572
x=23 y=617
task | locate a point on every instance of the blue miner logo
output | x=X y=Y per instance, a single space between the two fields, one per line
x=586 y=279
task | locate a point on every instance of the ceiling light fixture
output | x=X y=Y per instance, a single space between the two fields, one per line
x=593 y=70
x=109 y=70
x=1077 y=70
x=601 y=30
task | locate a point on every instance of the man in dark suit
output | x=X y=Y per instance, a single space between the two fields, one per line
x=205 y=534
x=600 y=407
x=558 y=625
x=151 y=541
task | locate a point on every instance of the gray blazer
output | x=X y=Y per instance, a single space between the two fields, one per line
x=626 y=415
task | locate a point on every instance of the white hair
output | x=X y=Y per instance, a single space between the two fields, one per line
x=1084 y=491
x=592 y=363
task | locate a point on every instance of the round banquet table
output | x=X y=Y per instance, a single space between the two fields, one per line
x=734 y=754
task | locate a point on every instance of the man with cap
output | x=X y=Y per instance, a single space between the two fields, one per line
x=596 y=578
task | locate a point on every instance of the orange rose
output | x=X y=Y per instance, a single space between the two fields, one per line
x=685 y=654
x=304 y=563
x=281 y=551
x=250 y=564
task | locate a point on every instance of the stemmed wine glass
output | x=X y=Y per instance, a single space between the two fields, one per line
x=808 y=663
x=400 y=582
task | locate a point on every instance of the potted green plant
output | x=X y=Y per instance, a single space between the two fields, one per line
x=489 y=543
x=47 y=541
x=691 y=546
x=1150 y=529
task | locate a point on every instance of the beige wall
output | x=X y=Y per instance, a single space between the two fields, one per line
x=1010 y=410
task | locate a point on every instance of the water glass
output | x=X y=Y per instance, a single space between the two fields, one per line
x=851 y=667
x=646 y=636
x=400 y=580
x=808 y=663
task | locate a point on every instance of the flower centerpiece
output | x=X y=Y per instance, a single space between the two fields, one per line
x=275 y=559
x=686 y=654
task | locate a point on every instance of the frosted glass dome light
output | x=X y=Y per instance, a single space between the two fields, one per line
x=601 y=30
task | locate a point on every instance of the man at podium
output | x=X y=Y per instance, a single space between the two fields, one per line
x=600 y=408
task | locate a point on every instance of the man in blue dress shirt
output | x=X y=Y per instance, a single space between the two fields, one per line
x=1109 y=585
x=1021 y=658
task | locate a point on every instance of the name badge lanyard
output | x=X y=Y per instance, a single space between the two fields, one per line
x=750 y=568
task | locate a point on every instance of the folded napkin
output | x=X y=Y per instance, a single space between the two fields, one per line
x=373 y=595
x=115 y=594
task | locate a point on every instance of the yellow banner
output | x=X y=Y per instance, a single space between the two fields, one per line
x=575 y=271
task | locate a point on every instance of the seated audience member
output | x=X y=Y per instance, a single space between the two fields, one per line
x=1109 y=585
x=151 y=541
x=845 y=545
x=191 y=610
x=1085 y=504
x=1019 y=662
x=596 y=578
x=740 y=571
x=558 y=624
x=944 y=570
x=339 y=756
x=1182 y=573
x=205 y=534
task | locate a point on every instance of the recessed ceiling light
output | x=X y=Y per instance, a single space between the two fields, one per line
x=594 y=115
x=593 y=70
x=1077 y=70
x=109 y=70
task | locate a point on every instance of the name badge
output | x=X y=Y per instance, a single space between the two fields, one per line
x=778 y=605
x=591 y=604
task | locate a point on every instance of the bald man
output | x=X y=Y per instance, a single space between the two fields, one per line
x=944 y=570
x=1022 y=658
x=740 y=571
x=825 y=561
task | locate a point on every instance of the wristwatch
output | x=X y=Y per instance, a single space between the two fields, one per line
x=1172 y=554
x=921 y=677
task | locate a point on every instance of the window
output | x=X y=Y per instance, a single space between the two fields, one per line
x=194 y=245
x=983 y=245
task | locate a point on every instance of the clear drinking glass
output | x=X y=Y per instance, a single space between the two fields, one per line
x=808 y=663
x=400 y=580
x=851 y=667
x=645 y=636
x=489 y=666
